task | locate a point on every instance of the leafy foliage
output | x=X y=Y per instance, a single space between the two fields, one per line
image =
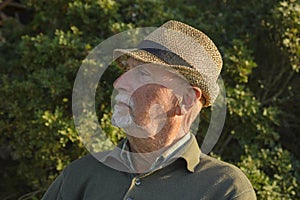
x=41 y=56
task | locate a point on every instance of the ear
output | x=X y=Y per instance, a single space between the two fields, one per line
x=189 y=100
x=198 y=93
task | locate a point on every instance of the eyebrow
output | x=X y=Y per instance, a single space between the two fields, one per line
x=145 y=70
x=132 y=62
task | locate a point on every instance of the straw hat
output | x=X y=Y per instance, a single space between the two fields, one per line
x=181 y=48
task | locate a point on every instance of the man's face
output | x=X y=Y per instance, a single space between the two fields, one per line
x=147 y=99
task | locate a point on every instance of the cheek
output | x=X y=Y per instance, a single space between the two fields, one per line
x=146 y=99
x=140 y=111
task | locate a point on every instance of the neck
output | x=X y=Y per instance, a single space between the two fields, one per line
x=144 y=161
x=145 y=151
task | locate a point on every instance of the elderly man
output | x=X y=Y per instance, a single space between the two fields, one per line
x=169 y=78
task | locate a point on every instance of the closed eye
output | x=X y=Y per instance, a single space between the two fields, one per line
x=143 y=72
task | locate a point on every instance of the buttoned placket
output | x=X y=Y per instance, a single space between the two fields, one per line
x=136 y=183
x=136 y=180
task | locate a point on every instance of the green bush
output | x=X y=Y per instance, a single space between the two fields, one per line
x=40 y=57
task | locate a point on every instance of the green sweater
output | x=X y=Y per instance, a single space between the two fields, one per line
x=187 y=178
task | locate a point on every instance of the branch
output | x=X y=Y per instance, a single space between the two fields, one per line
x=4 y=4
x=272 y=81
x=3 y=15
x=225 y=144
x=9 y=197
x=281 y=90
x=29 y=195
x=17 y=5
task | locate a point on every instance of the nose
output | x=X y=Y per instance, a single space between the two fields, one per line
x=117 y=82
x=123 y=82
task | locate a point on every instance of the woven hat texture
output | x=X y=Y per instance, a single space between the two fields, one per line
x=183 y=49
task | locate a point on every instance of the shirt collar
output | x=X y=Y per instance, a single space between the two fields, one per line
x=186 y=148
x=192 y=154
x=174 y=151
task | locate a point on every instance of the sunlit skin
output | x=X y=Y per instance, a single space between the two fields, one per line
x=145 y=97
x=162 y=107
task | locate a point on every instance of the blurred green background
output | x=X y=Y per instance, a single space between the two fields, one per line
x=42 y=45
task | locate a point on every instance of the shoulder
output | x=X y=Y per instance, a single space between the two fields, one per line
x=211 y=164
x=86 y=164
x=87 y=161
x=70 y=181
x=226 y=178
x=79 y=178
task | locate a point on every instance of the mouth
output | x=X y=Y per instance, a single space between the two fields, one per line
x=122 y=104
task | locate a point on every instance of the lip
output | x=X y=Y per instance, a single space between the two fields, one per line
x=122 y=104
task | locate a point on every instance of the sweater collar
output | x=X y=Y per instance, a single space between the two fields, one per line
x=186 y=148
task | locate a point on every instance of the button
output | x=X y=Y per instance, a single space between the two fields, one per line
x=138 y=182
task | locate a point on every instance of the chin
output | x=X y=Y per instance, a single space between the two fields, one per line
x=121 y=121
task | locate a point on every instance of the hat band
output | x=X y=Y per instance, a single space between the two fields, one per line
x=162 y=53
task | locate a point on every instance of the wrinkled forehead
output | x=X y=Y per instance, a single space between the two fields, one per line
x=157 y=72
x=153 y=67
x=158 y=75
